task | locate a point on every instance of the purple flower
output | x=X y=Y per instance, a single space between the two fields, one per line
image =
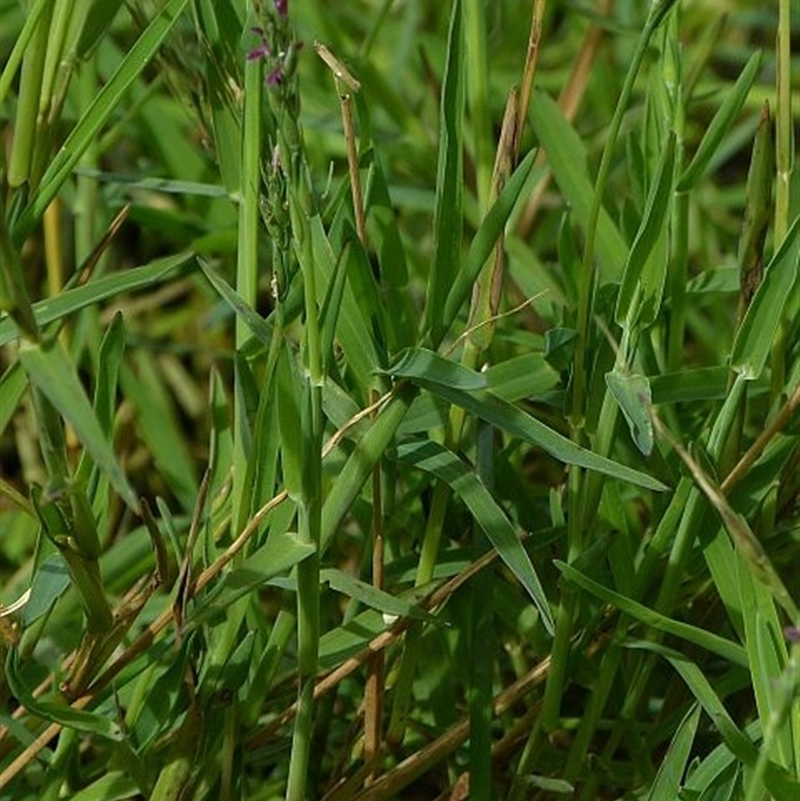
x=792 y=633
x=282 y=7
x=262 y=51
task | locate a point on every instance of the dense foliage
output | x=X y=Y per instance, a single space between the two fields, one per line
x=399 y=400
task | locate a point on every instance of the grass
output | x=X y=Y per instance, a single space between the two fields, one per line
x=399 y=401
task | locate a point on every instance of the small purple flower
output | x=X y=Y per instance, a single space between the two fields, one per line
x=792 y=633
x=275 y=76
x=260 y=51
x=282 y=7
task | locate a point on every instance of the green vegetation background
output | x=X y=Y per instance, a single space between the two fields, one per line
x=399 y=400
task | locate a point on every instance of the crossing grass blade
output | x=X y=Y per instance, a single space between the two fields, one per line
x=73 y=300
x=106 y=728
x=258 y=326
x=721 y=124
x=778 y=782
x=705 y=639
x=50 y=370
x=668 y=782
x=514 y=420
x=567 y=157
x=756 y=334
x=90 y=125
x=444 y=464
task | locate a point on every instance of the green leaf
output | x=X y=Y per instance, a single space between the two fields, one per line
x=290 y=393
x=64 y=715
x=280 y=553
x=372 y=596
x=721 y=124
x=258 y=326
x=424 y=363
x=778 y=782
x=705 y=639
x=358 y=467
x=448 y=217
x=51 y=370
x=445 y=465
x=482 y=403
x=13 y=384
x=114 y=786
x=632 y=393
x=566 y=155
x=756 y=335
x=73 y=300
x=101 y=109
x=642 y=288
x=485 y=239
x=668 y=779
x=50 y=582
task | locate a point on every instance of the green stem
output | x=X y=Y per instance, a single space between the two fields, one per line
x=657 y=12
x=478 y=97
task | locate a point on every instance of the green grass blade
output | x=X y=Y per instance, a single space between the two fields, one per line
x=89 y=126
x=448 y=217
x=778 y=782
x=279 y=554
x=58 y=713
x=371 y=596
x=705 y=639
x=721 y=124
x=13 y=384
x=759 y=328
x=258 y=326
x=358 y=467
x=436 y=459
x=114 y=786
x=668 y=781
x=634 y=277
x=632 y=392
x=15 y=57
x=51 y=371
x=73 y=300
x=485 y=239
x=421 y=362
x=566 y=154
x=508 y=417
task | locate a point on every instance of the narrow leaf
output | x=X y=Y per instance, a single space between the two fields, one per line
x=258 y=326
x=64 y=715
x=705 y=639
x=73 y=300
x=566 y=155
x=445 y=465
x=651 y=228
x=51 y=370
x=90 y=124
x=448 y=216
x=484 y=241
x=668 y=780
x=757 y=332
x=632 y=392
x=518 y=423
x=425 y=364
x=721 y=124
x=372 y=596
